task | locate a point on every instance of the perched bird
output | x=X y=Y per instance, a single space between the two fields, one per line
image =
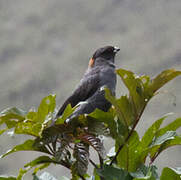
x=89 y=94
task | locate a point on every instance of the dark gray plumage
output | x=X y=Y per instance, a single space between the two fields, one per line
x=89 y=94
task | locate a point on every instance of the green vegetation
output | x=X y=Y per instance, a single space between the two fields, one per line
x=131 y=158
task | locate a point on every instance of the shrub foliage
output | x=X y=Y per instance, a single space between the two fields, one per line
x=68 y=144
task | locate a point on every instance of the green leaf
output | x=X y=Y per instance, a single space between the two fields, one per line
x=36 y=122
x=96 y=127
x=151 y=131
x=144 y=172
x=112 y=173
x=39 y=160
x=22 y=172
x=42 y=161
x=39 y=168
x=136 y=86
x=153 y=143
x=141 y=88
x=68 y=111
x=28 y=145
x=165 y=137
x=123 y=108
x=5 y=177
x=173 y=126
x=161 y=144
x=163 y=78
x=11 y=116
x=13 y=110
x=3 y=130
x=129 y=156
x=170 y=173
x=95 y=175
x=47 y=106
x=107 y=118
x=28 y=128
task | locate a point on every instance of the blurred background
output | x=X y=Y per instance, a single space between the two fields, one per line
x=45 y=47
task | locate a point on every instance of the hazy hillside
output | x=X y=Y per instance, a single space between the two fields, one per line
x=45 y=47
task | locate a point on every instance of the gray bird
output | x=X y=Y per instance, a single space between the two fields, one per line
x=90 y=93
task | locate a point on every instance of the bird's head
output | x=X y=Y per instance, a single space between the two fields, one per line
x=106 y=53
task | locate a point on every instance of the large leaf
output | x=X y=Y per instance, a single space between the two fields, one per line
x=3 y=130
x=165 y=137
x=163 y=78
x=35 y=122
x=107 y=118
x=145 y=173
x=112 y=173
x=173 y=126
x=141 y=88
x=123 y=108
x=136 y=86
x=11 y=116
x=40 y=167
x=40 y=160
x=31 y=123
x=155 y=140
x=22 y=172
x=96 y=127
x=170 y=173
x=29 y=128
x=151 y=131
x=129 y=156
x=95 y=143
x=67 y=112
x=47 y=106
x=163 y=142
x=81 y=154
x=4 y=177
x=28 y=145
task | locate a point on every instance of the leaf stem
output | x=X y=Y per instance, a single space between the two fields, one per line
x=101 y=162
x=65 y=164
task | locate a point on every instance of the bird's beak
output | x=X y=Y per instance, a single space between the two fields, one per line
x=116 y=49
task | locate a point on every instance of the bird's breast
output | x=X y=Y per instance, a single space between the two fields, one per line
x=108 y=78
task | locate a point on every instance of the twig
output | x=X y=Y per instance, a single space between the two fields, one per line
x=82 y=177
x=153 y=159
x=93 y=163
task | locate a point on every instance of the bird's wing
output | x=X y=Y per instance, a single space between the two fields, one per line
x=87 y=87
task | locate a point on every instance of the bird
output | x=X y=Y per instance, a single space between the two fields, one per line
x=90 y=92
